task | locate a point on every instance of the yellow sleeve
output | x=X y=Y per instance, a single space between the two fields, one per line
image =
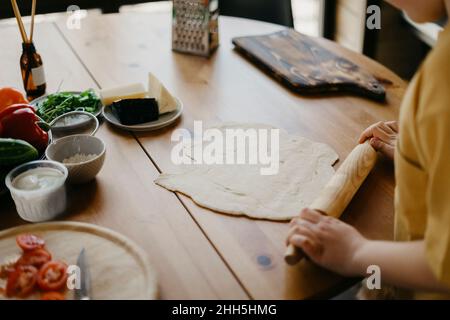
x=433 y=133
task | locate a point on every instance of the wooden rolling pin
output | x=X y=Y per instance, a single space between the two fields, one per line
x=341 y=188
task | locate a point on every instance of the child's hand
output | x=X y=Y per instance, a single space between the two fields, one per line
x=327 y=241
x=383 y=137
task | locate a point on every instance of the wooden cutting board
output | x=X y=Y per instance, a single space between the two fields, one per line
x=119 y=268
x=304 y=66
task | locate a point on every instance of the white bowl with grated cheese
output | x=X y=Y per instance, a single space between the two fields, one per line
x=82 y=155
x=79 y=158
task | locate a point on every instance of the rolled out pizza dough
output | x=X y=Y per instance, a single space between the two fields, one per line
x=240 y=189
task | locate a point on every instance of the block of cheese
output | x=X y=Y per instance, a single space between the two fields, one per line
x=166 y=102
x=130 y=91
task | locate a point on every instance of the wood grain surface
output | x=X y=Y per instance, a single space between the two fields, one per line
x=119 y=269
x=304 y=66
x=199 y=253
x=124 y=197
x=229 y=88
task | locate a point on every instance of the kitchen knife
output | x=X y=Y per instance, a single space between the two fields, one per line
x=83 y=293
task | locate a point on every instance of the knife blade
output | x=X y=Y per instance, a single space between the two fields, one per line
x=83 y=293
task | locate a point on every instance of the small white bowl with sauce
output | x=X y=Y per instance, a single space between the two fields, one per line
x=38 y=189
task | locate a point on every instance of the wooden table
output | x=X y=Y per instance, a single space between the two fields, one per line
x=200 y=254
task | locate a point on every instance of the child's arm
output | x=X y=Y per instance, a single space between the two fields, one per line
x=401 y=263
x=339 y=247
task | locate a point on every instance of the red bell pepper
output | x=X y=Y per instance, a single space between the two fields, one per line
x=20 y=122
x=14 y=107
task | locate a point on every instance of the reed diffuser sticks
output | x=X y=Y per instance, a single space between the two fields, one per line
x=33 y=12
x=23 y=33
x=19 y=20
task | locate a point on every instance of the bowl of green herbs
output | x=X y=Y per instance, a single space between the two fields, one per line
x=52 y=106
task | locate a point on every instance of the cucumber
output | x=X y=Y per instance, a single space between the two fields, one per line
x=14 y=152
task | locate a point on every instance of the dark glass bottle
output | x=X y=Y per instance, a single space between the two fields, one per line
x=32 y=71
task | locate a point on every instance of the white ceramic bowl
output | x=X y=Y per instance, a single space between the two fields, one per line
x=78 y=144
x=38 y=205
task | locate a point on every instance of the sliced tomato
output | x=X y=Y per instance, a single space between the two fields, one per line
x=21 y=282
x=5 y=270
x=29 y=242
x=52 y=276
x=53 y=295
x=36 y=258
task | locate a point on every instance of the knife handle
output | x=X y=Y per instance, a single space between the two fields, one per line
x=341 y=188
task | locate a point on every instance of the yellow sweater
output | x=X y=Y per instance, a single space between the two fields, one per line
x=422 y=163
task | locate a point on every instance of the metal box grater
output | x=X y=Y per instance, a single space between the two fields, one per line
x=195 y=26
